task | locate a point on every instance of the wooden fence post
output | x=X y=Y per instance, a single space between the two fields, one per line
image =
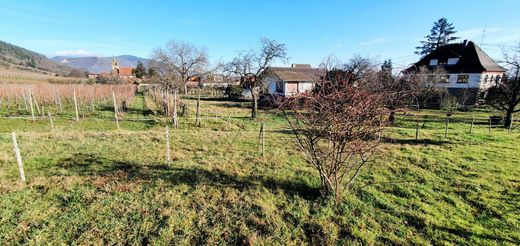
x=510 y=125
x=50 y=118
x=446 y=128
x=18 y=157
x=115 y=109
x=76 y=106
x=168 y=145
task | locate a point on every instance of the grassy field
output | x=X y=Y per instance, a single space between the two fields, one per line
x=88 y=183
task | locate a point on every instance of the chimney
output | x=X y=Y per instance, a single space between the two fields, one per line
x=465 y=43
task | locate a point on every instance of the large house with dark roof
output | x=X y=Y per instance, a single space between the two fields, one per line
x=290 y=81
x=467 y=66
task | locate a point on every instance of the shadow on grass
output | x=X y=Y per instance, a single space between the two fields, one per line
x=467 y=234
x=415 y=142
x=92 y=165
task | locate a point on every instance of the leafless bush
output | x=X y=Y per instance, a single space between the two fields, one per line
x=337 y=126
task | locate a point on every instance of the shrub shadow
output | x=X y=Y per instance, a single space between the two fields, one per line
x=92 y=165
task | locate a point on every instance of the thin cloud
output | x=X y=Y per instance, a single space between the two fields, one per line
x=374 y=41
x=75 y=53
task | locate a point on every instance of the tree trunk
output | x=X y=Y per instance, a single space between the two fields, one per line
x=509 y=117
x=391 y=117
x=254 y=111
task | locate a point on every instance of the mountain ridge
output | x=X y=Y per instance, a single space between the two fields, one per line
x=99 y=64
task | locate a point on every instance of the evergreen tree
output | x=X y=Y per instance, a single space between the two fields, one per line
x=139 y=71
x=387 y=66
x=442 y=33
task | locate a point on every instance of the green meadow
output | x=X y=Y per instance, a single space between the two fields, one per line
x=90 y=184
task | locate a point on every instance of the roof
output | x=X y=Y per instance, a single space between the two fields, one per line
x=125 y=71
x=472 y=59
x=295 y=73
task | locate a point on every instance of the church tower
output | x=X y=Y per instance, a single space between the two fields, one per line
x=115 y=66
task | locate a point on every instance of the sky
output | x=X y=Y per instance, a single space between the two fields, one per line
x=311 y=30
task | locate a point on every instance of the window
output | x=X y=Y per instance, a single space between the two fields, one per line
x=486 y=77
x=279 y=86
x=434 y=62
x=445 y=79
x=463 y=79
x=453 y=61
x=491 y=79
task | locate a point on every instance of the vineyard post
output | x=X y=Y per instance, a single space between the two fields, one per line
x=197 y=113
x=31 y=105
x=18 y=157
x=115 y=109
x=175 y=121
x=50 y=118
x=36 y=103
x=76 y=105
x=228 y=119
x=167 y=145
x=510 y=125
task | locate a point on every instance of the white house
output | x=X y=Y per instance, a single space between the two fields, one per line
x=468 y=68
x=289 y=81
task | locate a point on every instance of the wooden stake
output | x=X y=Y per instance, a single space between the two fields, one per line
x=76 y=106
x=18 y=157
x=167 y=145
x=510 y=125
x=115 y=109
x=52 y=123
x=261 y=139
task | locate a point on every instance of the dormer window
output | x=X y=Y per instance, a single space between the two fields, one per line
x=434 y=62
x=453 y=61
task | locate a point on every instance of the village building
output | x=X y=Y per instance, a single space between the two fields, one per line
x=290 y=81
x=469 y=70
x=123 y=72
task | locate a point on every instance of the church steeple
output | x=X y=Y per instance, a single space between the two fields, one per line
x=115 y=66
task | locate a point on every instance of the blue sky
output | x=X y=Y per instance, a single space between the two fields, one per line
x=312 y=30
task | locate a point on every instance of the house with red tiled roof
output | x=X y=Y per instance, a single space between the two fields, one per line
x=123 y=72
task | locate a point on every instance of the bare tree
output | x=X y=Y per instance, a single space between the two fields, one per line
x=250 y=66
x=178 y=61
x=505 y=94
x=337 y=127
x=427 y=86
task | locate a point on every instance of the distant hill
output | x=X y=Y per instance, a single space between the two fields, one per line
x=99 y=64
x=13 y=57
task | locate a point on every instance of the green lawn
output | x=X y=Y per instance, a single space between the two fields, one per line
x=88 y=183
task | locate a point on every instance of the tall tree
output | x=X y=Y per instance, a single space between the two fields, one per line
x=250 y=66
x=178 y=61
x=505 y=94
x=387 y=66
x=442 y=33
x=139 y=71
